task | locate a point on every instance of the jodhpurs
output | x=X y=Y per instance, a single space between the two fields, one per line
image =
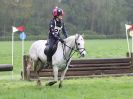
x=52 y=44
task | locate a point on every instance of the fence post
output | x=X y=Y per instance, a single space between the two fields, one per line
x=25 y=58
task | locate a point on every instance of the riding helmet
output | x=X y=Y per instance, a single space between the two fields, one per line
x=57 y=12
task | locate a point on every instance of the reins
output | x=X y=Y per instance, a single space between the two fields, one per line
x=70 y=54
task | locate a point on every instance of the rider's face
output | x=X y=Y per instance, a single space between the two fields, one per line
x=60 y=17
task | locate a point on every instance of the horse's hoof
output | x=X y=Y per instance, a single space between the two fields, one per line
x=60 y=85
x=29 y=80
x=51 y=83
x=39 y=83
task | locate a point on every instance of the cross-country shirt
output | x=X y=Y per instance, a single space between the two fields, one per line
x=55 y=27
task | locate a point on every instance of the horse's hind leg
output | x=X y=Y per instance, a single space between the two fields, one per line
x=36 y=69
x=38 y=79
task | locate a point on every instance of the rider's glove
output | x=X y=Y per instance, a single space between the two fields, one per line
x=61 y=40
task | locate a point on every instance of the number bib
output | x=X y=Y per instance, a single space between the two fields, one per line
x=57 y=29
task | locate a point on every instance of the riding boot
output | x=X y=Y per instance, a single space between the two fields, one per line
x=49 y=62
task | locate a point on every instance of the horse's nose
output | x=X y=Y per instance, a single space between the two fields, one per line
x=83 y=54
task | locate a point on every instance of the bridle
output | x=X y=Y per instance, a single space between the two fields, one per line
x=73 y=50
x=78 y=49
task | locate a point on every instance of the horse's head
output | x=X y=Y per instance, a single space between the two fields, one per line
x=79 y=41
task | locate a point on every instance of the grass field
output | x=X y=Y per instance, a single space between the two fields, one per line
x=89 y=88
x=85 y=88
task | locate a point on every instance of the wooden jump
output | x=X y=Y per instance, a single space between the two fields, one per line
x=89 y=67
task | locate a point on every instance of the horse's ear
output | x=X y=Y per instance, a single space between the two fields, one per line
x=76 y=34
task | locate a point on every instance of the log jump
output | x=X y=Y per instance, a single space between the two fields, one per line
x=88 y=67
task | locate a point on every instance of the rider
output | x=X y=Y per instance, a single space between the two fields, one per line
x=55 y=26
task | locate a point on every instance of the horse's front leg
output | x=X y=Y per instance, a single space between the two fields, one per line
x=55 y=71
x=63 y=73
x=62 y=76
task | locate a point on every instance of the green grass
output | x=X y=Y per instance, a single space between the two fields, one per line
x=89 y=88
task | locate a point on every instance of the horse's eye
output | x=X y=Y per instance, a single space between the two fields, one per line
x=78 y=43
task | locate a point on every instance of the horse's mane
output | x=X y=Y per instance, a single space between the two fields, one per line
x=70 y=38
